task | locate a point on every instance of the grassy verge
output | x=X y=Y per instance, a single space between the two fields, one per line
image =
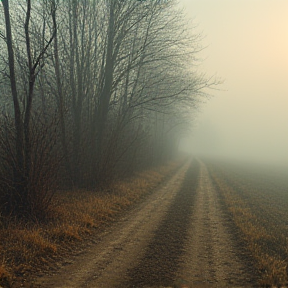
x=75 y=216
x=259 y=218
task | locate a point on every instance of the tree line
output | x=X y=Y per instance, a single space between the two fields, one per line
x=90 y=90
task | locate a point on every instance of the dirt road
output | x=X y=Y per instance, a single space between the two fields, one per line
x=179 y=232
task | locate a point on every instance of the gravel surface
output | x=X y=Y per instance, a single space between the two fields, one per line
x=178 y=237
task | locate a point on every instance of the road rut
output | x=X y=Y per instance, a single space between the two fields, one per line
x=180 y=235
x=213 y=258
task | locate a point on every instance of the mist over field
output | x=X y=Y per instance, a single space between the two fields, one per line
x=240 y=145
x=246 y=45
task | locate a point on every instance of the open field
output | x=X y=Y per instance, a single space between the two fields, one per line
x=257 y=201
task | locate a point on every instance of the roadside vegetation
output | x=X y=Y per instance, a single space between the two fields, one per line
x=257 y=202
x=74 y=216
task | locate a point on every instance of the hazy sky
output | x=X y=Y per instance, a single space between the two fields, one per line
x=248 y=47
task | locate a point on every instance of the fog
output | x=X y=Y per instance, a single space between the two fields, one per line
x=247 y=46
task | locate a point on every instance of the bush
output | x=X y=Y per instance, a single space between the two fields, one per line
x=30 y=196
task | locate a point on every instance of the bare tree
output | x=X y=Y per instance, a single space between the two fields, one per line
x=151 y=77
x=19 y=198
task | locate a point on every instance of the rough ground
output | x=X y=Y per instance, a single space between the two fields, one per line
x=178 y=235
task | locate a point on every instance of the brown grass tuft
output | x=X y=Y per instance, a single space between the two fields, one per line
x=5 y=276
x=65 y=233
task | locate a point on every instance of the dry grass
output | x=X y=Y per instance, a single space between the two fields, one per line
x=259 y=227
x=74 y=216
x=5 y=276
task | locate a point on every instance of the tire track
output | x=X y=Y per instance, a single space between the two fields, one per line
x=212 y=257
x=160 y=263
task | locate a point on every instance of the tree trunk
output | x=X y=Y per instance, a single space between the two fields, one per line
x=60 y=97
x=19 y=139
x=108 y=78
